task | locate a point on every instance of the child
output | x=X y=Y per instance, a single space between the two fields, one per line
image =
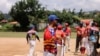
x=60 y=40
x=31 y=39
x=67 y=31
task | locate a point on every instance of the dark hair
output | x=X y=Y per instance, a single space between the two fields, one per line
x=81 y=24
x=93 y=24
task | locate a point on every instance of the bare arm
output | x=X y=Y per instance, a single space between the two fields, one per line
x=37 y=37
x=27 y=38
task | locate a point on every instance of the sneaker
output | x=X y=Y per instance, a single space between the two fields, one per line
x=75 y=53
x=68 y=49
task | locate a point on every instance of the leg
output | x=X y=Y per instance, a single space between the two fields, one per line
x=77 y=43
x=67 y=45
x=68 y=42
x=32 y=45
x=50 y=54
x=59 y=49
x=88 y=47
x=91 y=48
x=45 y=53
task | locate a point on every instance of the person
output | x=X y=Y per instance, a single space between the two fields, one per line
x=49 y=37
x=93 y=39
x=60 y=39
x=31 y=40
x=67 y=31
x=87 y=35
x=84 y=40
x=80 y=40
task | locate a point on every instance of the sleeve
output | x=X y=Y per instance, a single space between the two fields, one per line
x=27 y=37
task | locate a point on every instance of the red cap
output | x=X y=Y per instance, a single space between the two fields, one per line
x=87 y=23
x=59 y=27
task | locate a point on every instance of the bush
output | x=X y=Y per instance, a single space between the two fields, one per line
x=7 y=27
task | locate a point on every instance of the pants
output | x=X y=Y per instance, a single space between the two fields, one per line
x=93 y=45
x=78 y=42
x=32 y=47
x=46 y=53
x=59 y=50
x=85 y=43
x=93 y=51
x=67 y=43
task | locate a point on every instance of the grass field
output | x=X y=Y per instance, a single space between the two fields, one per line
x=16 y=34
x=23 y=34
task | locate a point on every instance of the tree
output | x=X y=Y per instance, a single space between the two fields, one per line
x=80 y=14
x=1 y=16
x=97 y=19
x=73 y=12
x=23 y=9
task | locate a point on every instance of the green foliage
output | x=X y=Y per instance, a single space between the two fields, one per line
x=97 y=19
x=1 y=16
x=26 y=10
x=7 y=27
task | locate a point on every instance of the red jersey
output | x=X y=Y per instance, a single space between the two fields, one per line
x=68 y=31
x=59 y=34
x=81 y=31
x=88 y=30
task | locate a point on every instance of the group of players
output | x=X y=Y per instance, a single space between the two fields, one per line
x=57 y=38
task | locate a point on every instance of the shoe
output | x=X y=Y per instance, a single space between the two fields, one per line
x=75 y=53
x=68 y=49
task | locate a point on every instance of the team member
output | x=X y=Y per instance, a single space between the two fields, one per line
x=78 y=38
x=67 y=31
x=84 y=39
x=60 y=37
x=31 y=39
x=87 y=35
x=93 y=39
x=49 y=37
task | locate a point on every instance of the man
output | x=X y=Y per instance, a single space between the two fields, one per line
x=49 y=37
x=87 y=35
x=80 y=30
x=31 y=39
x=67 y=31
x=93 y=39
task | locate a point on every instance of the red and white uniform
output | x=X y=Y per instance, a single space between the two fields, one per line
x=60 y=36
x=68 y=35
x=32 y=41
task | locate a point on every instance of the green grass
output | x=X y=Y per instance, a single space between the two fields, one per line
x=16 y=34
x=23 y=34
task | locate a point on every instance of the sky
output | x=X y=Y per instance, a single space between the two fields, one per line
x=86 y=5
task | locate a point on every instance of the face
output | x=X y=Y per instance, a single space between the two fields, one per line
x=55 y=22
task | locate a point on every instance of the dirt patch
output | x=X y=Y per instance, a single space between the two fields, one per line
x=19 y=47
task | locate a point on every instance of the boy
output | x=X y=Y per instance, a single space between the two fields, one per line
x=31 y=39
x=67 y=31
x=60 y=39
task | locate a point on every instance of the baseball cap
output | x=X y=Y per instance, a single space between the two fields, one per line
x=59 y=26
x=52 y=17
x=31 y=26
